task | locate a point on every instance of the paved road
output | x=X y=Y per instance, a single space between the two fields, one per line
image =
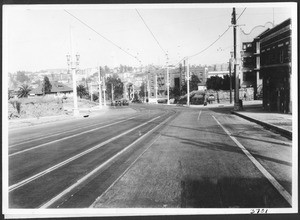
x=159 y=156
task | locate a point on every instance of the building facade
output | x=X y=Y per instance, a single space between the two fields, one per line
x=275 y=67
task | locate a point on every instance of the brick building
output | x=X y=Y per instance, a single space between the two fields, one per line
x=275 y=67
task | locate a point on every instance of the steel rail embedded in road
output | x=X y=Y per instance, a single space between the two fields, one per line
x=38 y=175
x=68 y=137
x=149 y=145
x=59 y=133
x=84 y=178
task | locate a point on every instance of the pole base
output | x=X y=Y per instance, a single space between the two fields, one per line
x=75 y=112
x=237 y=107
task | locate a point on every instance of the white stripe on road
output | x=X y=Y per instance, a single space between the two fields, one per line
x=56 y=134
x=28 y=180
x=64 y=138
x=271 y=179
x=199 y=115
x=78 y=182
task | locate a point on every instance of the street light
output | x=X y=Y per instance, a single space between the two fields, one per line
x=168 y=83
x=73 y=65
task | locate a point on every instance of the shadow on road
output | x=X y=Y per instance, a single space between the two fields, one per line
x=209 y=192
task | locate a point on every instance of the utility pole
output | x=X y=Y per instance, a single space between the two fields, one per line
x=148 y=87
x=156 y=87
x=112 y=92
x=104 y=89
x=230 y=83
x=73 y=64
x=100 y=89
x=168 y=83
x=237 y=105
x=188 y=81
x=91 y=91
x=230 y=75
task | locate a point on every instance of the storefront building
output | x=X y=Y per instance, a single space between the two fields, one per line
x=275 y=68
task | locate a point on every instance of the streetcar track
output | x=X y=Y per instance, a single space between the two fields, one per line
x=91 y=173
x=42 y=173
x=59 y=133
x=67 y=137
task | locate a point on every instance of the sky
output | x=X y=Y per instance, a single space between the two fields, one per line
x=37 y=37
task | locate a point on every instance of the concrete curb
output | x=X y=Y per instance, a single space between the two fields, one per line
x=278 y=129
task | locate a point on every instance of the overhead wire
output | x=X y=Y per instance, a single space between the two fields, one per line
x=150 y=31
x=220 y=36
x=105 y=38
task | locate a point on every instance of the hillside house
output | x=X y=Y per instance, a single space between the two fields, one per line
x=58 y=89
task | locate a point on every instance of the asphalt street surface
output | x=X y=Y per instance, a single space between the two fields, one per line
x=155 y=156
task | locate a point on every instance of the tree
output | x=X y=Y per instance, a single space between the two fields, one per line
x=46 y=86
x=142 y=92
x=24 y=91
x=217 y=83
x=175 y=92
x=194 y=83
x=12 y=80
x=81 y=91
x=21 y=77
x=117 y=84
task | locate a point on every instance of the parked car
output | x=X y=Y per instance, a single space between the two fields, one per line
x=116 y=103
x=136 y=101
x=125 y=102
x=162 y=101
x=211 y=98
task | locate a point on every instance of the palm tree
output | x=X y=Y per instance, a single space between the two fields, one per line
x=24 y=91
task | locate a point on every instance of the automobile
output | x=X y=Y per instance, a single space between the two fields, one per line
x=125 y=102
x=116 y=103
x=163 y=101
x=211 y=98
x=136 y=101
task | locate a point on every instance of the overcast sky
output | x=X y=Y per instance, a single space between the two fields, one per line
x=38 y=37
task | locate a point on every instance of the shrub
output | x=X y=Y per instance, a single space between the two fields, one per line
x=18 y=106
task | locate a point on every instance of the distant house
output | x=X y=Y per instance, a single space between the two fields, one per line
x=57 y=89
x=201 y=86
x=217 y=73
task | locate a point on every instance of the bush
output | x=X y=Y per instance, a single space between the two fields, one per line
x=95 y=97
x=18 y=106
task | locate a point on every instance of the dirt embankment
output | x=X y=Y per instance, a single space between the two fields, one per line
x=43 y=106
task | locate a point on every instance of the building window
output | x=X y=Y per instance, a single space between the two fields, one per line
x=281 y=56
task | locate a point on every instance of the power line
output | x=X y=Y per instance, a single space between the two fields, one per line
x=220 y=36
x=101 y=35
x=241 y=14
x=151 y=32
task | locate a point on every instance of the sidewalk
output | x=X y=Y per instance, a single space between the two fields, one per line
x=279 y=122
